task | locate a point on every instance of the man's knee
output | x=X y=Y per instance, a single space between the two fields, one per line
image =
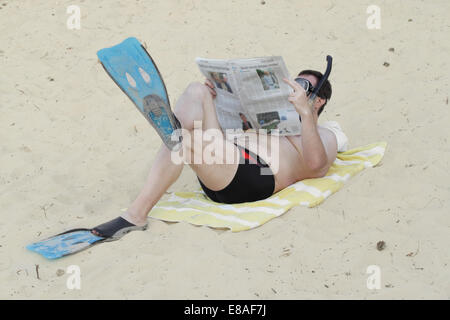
x=190 y=108
x=197 y=90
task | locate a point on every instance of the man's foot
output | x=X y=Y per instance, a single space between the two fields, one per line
x=117 y=228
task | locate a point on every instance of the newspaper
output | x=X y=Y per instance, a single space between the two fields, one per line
x=252 y=95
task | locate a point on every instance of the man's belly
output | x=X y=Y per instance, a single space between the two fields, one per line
x=284 y=160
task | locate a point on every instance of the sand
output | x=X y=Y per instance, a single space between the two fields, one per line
x=75 y=151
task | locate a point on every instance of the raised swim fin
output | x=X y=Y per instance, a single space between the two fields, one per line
x=134 y=71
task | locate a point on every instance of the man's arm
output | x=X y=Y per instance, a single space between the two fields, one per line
x=318 y=150
x=312 y=143
x=314 y=151
x=329 y=141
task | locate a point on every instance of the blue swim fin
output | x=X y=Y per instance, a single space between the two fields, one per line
x=76 y=240
x=133 y=70
x=66 y=243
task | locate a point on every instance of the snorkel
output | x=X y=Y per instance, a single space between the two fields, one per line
x=312 y=97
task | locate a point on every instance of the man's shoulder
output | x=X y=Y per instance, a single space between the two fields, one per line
x=332 y=127
x=329 y=139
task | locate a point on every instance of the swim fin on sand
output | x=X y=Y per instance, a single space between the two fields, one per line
x=133 y=70
x=76 y=240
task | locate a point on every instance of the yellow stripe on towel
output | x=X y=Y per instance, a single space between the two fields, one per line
x=196 y=208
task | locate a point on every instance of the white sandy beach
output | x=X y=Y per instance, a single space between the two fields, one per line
x=74 y=151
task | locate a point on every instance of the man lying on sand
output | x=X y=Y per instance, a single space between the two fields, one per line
x=308 y=155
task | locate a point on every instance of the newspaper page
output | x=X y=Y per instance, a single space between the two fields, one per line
x=265 y=95
x=251 y=94
x=228 y=105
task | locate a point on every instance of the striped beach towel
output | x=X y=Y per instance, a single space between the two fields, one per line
x=196 y=208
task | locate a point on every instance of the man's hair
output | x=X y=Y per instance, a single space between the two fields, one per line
x=324 y=92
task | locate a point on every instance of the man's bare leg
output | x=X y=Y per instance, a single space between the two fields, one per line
x=163 y=174
x=215 y=176
x=194 y=105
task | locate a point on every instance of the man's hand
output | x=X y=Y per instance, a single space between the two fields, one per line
x=299 y=99
x=211 y=88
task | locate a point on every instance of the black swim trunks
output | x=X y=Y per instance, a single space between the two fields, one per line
x=248 y=184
